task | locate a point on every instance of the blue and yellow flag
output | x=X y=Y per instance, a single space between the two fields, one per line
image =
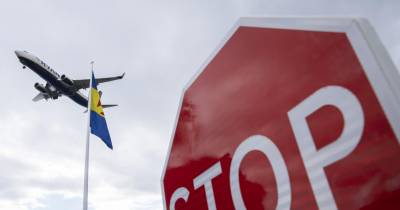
x=98 y=125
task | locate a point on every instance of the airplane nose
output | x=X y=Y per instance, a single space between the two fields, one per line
x=18 y=53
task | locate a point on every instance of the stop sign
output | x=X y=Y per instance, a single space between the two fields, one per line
x=289 y=114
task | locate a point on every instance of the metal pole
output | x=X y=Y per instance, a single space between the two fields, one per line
x=86 y=179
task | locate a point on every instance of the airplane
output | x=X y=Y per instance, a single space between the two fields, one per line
x=57 y=85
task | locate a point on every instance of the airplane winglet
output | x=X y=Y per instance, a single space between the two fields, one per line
x=122 y=76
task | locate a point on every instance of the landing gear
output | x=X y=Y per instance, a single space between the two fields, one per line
x=23 y=67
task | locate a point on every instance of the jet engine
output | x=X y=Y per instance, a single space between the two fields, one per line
x=67 y=80
x=40 y=88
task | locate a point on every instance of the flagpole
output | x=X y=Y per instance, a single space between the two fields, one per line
x=86 y=179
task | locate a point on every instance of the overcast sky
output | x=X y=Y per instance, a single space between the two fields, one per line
x=160 y=45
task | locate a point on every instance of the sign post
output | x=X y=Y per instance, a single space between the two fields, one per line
x=289 y=113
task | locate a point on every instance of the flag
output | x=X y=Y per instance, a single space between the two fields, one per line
x=98 y=125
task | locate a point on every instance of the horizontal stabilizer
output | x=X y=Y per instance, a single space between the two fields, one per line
x=109 y=105
x=104 y=106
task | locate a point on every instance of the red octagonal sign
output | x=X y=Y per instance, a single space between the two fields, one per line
x=289 y=114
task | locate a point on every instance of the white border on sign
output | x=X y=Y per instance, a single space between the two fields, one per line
x=380 y=72
x=379 y=68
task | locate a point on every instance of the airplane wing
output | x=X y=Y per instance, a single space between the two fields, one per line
x=41 y=96
x=84 y=83
x=46 y=92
